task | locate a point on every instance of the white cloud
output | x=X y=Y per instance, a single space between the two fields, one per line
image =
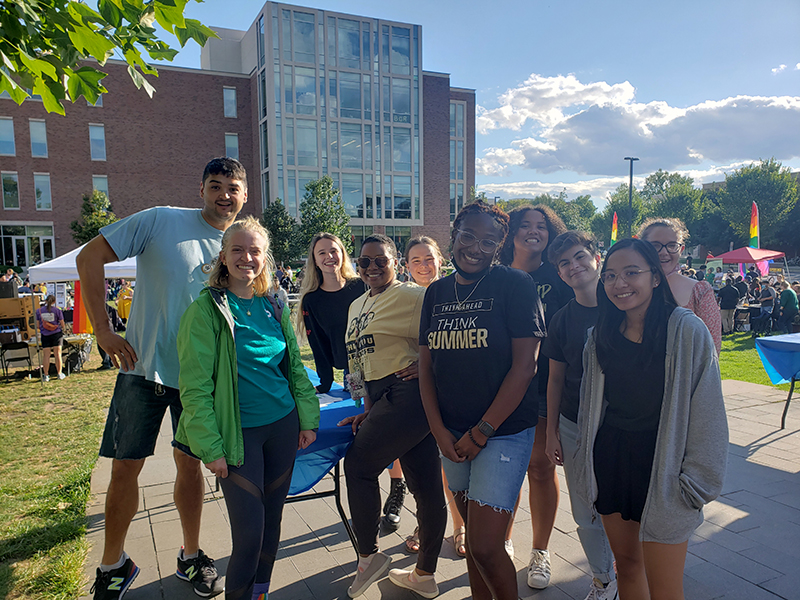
x=797 y=67
x=778 y=69
x=589 y=128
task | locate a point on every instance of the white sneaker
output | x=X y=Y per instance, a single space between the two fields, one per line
x=46 y=378
x=62 y=376
x=598 y=592
x=539 y=569
x=510 y=549
x=363 y=579
x=424 y=586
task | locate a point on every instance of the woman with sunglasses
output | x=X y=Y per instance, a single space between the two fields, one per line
x=479 y=338
x=382 y=331
x=531 y=229
x=667 y=237
x=653 y=437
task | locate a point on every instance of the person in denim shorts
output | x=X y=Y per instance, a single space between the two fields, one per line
x=174 y=249
x=479 y=338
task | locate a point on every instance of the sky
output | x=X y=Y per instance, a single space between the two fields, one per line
x=566 y=89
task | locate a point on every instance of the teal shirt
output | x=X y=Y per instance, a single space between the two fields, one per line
x=264 y=395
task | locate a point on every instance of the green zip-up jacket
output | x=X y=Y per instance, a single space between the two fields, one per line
x=210 y=423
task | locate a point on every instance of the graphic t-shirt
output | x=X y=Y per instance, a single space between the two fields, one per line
x=174 y=249
x=382 y=330
x=554 y=294
x=566 y=336
x=53 y=315
x=469 y=338
x=264 y=395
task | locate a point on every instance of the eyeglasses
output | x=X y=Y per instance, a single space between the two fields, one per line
x=627 y=276
x=365 y=261
x=672 y=247
x=465 y=238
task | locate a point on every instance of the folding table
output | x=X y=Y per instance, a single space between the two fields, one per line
x=780 y=355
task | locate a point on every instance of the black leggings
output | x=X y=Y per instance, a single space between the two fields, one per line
x=255 y=494
x=396 y=426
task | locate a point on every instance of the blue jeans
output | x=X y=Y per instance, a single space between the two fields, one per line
x=495 y=476
x=591 y=534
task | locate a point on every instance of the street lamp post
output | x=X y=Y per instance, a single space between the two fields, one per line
x=630 y=197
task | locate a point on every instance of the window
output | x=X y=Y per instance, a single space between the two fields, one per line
x=260 y=40
x=401 y=149
x=350 y=94
x=38 y=139
x=100 y=183
x=41 y=184
x=349 y=44
x=26 y=246
x=353 y=194
x=7 y=146
x=351 y=146
x=402 y=197
x=97 y=141
x=303 y=37
x=305 y=88
x=306 y=143
x=99 y=102
x=232 y=145
x=401 y=50
x=10 y=191
x=262 y=93
x=401 y=100
x=229 y=99
x=452 y=120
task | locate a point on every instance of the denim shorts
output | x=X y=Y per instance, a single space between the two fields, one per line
x=495 y=476
x=135 y=415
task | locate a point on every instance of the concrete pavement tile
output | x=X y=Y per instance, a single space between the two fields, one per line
x=789 y=499
x=717 y=578
x=168 y=535
x=167 y=513
x=692 y=559
x=698 y=590
x=767 y=507
x=749 y=593
x=785 y=587
x=719 y=535
x=735 y=563
x=776 y=535
x=778 y=560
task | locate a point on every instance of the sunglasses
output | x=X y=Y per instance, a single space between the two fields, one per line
x=365 y=261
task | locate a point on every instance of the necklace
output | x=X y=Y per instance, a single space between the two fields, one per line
x=460 y=303
x=363 y=317
x=249 y=306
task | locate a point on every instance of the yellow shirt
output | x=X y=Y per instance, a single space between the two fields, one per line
x=383 y=331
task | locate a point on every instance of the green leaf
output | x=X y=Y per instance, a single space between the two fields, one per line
x=147 y=18
x=194 y=30
x=51 y=103
x=79 y=10
x=38 y=67
x=111 y=12
x=169 y=13
x=85 y=82
x=7 y=84
x=92 y=43
x=161 y=51
x=139 y=81
x=134 y=58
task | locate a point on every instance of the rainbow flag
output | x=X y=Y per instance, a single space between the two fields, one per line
x=614 y=229
x=754 y=237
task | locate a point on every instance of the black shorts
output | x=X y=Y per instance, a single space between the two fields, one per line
x=53 y=340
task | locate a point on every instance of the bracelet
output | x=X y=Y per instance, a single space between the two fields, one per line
x=472 y=439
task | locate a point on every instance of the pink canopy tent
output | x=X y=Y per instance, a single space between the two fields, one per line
x=748 y=255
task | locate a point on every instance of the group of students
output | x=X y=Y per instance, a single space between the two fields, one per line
x=453 y=385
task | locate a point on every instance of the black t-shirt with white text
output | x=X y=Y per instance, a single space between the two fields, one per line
x=470 y=345
x=567 y=333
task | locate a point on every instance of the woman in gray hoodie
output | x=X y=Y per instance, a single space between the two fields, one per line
x=653 y=436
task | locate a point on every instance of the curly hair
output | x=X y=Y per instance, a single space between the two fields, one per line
x=672 y=223
x=379 y=238
x=555 y=227
x=476 y=208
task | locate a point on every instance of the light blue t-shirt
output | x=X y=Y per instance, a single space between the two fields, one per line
x=264 y=395
x=174 y=249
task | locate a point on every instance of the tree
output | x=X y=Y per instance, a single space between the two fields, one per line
x=711 y=228
x=618 y=202
x=45 y=45
x=283 y=233
x=95 y=213
x=671 y=195
x=321 y=210
x=771 y=186
x=576 y=214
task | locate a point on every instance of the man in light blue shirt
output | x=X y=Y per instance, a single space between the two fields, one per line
x=174 y=249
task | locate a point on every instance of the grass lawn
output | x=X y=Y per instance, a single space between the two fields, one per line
x=50 y=439
x=739 y=360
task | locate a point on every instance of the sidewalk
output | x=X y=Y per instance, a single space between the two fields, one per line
x=747 y=548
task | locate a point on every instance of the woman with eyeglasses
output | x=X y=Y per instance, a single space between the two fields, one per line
x=531 y=229
x=382 y=331
x=653 y=439
x=479 y=338
x=667 y=235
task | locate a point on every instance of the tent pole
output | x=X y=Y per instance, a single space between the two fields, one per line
x=38 y=342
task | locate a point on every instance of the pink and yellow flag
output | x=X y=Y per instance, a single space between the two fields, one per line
x=755 y=241
x=614 y=229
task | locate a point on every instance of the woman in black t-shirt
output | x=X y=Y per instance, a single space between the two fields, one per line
x=478 y=346
x=329 y=286
x=531 y=230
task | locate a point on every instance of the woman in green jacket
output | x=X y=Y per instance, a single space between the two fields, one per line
x=247 y=403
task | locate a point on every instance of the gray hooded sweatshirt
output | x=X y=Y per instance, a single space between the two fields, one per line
x=692 y=443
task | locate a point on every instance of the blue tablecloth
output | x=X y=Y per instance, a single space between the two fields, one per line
x=313 y=463
x=780 y=355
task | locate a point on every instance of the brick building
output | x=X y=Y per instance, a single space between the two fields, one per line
x=301 y=94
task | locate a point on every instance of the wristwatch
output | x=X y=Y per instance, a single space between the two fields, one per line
x=485 y=428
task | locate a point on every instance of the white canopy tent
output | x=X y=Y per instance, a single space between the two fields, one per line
x=63 y=269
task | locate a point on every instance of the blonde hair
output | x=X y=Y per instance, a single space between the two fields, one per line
x=219 y=274
x=671 y=223
x=312 y=278
x=423 y=239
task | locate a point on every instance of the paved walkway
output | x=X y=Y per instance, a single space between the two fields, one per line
x=747 y=548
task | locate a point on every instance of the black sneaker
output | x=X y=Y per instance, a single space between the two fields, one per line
x=112 y=585
x=393 y=505
x=201 y=573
